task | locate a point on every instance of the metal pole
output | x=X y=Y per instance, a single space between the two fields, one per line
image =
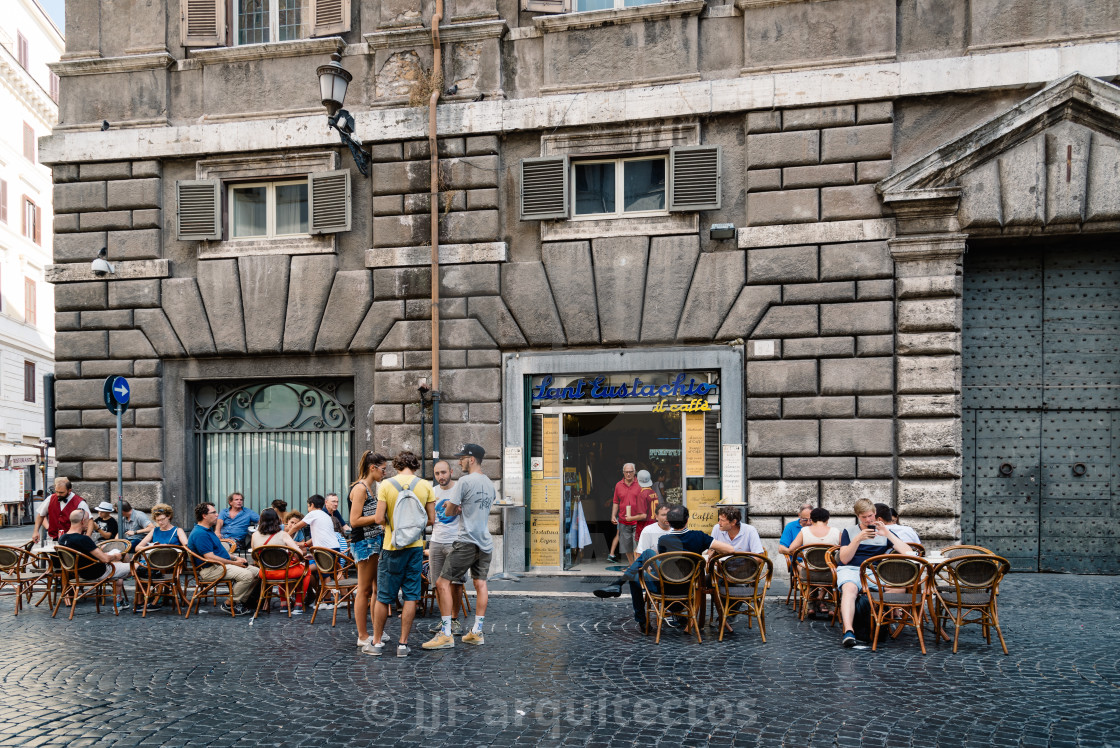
x=120 y=472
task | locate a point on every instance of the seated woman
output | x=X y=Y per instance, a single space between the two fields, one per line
x=270 y=532
x=281 y=507
x=162 y=532
x=816 y=533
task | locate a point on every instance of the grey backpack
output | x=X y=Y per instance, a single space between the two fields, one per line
x=409 y=515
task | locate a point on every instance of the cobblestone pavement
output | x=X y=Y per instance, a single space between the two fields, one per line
x=570 y=671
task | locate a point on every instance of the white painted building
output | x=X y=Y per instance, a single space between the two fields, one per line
x=28 y=110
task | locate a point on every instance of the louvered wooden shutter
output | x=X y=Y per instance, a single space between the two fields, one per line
x=544 y=188
x=328 y=193
x=695 y=178
x=199 y=202
x=330 y=17
x=203 y=22
x=547 y=6
x=37 y=226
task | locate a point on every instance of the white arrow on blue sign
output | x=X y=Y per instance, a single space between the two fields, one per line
x=120 y=390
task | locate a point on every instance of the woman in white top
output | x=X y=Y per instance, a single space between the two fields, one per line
x=816 y=533
x=270 y=532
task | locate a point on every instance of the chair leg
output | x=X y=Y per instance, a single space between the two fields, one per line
x=762 y=619
x=999 y=633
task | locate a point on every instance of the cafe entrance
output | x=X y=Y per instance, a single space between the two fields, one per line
x=584 y=428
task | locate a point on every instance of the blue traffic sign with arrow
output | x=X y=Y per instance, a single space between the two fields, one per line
x=117 y=393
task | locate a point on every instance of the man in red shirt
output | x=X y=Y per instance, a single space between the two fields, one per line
x=627 y=512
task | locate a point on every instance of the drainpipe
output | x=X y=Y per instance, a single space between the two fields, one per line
x=437 y=73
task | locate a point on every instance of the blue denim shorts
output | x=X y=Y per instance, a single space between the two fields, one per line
x=399 y=570
x=367 y=547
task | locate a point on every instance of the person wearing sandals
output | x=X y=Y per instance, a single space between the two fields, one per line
x=271 y=532
x=817 y=533
x=366 y=537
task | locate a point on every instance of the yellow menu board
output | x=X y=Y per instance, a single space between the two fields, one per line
x=702 y=512
x=550 y=446
x=546 y=494
x=694 y=445
x=544 y=538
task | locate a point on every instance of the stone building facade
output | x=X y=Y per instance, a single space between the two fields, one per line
x=859 y=148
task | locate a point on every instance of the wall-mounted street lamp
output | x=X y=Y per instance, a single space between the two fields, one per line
x=333 y=80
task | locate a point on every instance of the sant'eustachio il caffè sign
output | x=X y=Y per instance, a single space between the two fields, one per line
x=664 y=392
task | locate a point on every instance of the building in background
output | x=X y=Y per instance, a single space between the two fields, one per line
x=723 y=240
x=30 y=41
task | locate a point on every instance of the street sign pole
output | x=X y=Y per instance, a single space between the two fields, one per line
x=120 y=473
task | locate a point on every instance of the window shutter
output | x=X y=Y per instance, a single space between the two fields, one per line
x=199 y=204
x=695 y=178
x=37 y=223
x=23 y=216
x=328 y=195
x=544 y=188
x=3 y=201
x=330 y=17
x=547 y=6
x=203 y=22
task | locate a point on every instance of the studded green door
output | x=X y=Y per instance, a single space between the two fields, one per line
x=1041 y=400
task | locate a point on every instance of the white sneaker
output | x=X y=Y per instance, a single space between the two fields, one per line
x=364 y=642
x=373 y=649
x=384 y=637
x=403 y=650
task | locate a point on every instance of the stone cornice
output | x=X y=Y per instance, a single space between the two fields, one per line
x=421 y=35
x=613 y=16
x=928 y=247
x=297 y=48
x=822 y=232
x=449 y=254
x=79 y=272
x=27 y=89
x=104 y=65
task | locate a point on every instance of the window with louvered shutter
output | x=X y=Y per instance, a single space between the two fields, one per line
x=544 y=188
x=199 y=205
x=3 y=201
x=203 y=22
x=695 y=178
x=330 y=17
x=329 y=198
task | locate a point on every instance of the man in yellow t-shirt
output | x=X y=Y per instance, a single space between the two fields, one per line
x=399 y=568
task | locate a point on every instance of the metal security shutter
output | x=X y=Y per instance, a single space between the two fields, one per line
x=544 y=188
x=695 y=178
x=199 y=206
x=330 y=17
x=1041 y=397
x=328 y=194
x=546 y=6
x=203 y=22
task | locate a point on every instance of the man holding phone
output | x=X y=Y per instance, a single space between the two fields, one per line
x=873 y=539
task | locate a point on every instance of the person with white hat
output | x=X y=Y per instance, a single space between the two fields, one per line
x=104 y=524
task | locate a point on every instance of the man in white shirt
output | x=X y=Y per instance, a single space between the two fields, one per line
x=890 y=516
x=647 y=541
x=731 y=530
x=319 y=523
x=444 y=532
x=54 y=513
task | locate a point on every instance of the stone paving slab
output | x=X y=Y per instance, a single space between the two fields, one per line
x=565 y=671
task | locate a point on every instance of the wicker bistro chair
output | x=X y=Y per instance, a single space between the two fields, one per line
x=283 y=559
x=203 y=589
x=671 y=582
x=429 y=602
x=71 y=561
x=817 y=578
x=952 y=551
x=918 y=548
x=334 y=570
x=740 y=582
x=965 y=589
x=905 y=577
x=116 y=544
x=20 y=570
x=156 y=571
x=794 y=593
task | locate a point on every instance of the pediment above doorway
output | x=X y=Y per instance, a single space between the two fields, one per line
x=1051 y=164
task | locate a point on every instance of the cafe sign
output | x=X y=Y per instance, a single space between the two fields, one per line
x=681 y=387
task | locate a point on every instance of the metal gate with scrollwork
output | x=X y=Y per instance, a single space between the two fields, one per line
x=1041 y=405
x=272 y=440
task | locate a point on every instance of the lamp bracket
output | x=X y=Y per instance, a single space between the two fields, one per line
x=343 y=122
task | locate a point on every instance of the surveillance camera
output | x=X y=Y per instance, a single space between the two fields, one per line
x=100 y=266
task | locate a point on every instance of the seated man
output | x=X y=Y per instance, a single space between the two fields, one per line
x=890 y=516
x=234 y=521
x=794 y=527
x=679 y=538
x=731 y=530
x=136 y=524
x=204 y=542
x=647 y=541
x=873 y=539
x=108 y=564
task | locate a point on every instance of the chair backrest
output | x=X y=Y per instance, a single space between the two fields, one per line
x=815 y=556
x=231 y=545
x=952 y=551
x=326 y=559
x=276 y=557
x=69 y=559
x=974 y=573
x=675 y=571
x=918 y=548
x=115 y=545
x=163 y=557
x=893 y=570
x=11 y=559
x=738 y=569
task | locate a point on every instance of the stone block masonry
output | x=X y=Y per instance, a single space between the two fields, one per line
x=817 y=164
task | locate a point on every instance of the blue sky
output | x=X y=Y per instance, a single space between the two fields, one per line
x=55 y=9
